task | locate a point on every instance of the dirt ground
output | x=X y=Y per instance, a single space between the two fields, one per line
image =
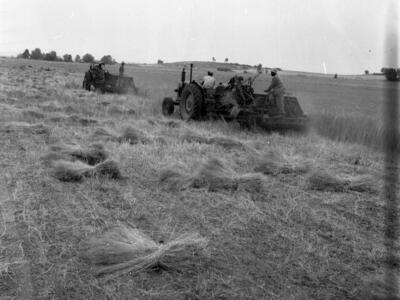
x=309 y=227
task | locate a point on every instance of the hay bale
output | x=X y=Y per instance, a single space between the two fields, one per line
x=132 y=136
x=364 y=184
x=214 y=176
x=124 y=250
x=323 y=181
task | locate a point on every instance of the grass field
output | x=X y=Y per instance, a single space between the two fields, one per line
x=285 y=216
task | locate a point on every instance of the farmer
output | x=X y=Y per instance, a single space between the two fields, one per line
x=277 y=89
x=99 y=73
x=209 y=80
x=121 y=69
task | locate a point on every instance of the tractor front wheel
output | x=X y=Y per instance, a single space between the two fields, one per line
x=191 y=103
x=167 y=106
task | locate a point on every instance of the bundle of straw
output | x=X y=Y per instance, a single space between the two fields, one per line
x=76 y=171
x=124 y=250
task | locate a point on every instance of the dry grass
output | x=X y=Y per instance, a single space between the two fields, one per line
x=127 y=135
x=124 y=250
x=76 y=171
x=269 y=237
x=349 y=128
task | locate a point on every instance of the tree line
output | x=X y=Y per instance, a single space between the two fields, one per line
x=52 y=56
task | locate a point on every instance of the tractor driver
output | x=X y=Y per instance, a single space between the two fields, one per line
x=121 y=69
x=277 y=89
x=208 y=81
x=100 y=73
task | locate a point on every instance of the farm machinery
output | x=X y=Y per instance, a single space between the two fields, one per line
x=234 y=100
x=101 y=80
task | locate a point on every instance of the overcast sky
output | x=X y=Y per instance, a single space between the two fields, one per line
x=336 y=36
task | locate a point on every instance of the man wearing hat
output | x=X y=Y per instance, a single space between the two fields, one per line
x=209 y=81
x=121 y=69
x=277 y=89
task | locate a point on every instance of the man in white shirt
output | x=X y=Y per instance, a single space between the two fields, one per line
x=208 y=81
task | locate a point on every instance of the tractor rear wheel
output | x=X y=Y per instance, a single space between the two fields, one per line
x=168 y=106
x=191 y=103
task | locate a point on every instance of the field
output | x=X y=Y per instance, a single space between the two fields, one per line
x=285 y=216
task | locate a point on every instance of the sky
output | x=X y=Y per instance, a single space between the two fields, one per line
x=325 y=36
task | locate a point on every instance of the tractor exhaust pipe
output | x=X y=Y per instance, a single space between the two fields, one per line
x=183 y=75
x=191 y=72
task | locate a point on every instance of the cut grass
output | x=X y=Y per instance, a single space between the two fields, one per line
x=124 y=250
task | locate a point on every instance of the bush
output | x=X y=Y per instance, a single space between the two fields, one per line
x=78 y=58
x=36 y=54
x=88 y=58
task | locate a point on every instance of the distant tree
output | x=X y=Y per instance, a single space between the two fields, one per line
x=383 y=70
x=213 y=59
x=67 y=57
x=51 y=56
x=88 y=58
x=107 y=59
x=36 y=54
x=226 y=59
x=160 y=62
x=259 y=68
x=77 y=58
x=25 y=54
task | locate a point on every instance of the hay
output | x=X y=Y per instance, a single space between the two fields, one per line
x=323 y=181
x=124 y=250
x=251 y=183
x=214 y=176
x=28 y=114
x=223 y=142
x=76 y=171
x=364 y=184
x=91 y=155
x=68 y=171
x=274 y=166
x=174 y=178
x=35 y=129
x=82 y=121
x=133 y=136
x=101 y=133
x=108 y=168
x=191 y=137
x=129 y=135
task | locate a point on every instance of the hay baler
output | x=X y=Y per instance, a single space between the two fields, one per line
x=105 y=82
x=235 y=100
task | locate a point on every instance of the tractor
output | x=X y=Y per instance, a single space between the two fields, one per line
x=101 y=80
x=232 y=101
